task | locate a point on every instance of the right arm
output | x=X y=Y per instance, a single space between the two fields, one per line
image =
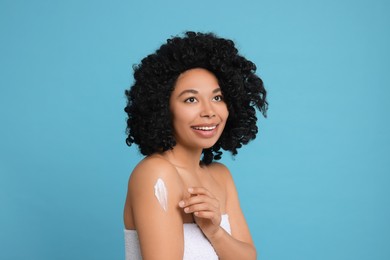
x=160 y=230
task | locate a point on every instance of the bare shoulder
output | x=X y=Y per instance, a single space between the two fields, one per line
x=151 y=167
x=220 y=172
x=153 y=172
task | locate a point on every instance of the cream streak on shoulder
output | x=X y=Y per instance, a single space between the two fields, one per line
x=160 y=191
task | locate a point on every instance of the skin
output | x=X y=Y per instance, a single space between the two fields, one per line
x=195 y=192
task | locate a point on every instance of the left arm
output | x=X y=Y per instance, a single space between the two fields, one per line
x=205 y=207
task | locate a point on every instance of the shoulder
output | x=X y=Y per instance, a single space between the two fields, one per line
x=220 y=172
x=224 y=177
x=152 y=171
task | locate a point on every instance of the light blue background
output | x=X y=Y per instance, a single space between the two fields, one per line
x=314 y=185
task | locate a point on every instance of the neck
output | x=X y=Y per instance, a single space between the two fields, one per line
x=184 y=158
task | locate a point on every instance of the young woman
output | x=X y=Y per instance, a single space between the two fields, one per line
x=191 y=98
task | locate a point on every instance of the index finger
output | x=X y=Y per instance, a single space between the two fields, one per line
x=200 y=191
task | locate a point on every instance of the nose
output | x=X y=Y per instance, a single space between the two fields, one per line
x=207 y=110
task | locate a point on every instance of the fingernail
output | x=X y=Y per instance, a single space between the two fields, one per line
x=186 y=210
x=190 y=190
x=181 y=204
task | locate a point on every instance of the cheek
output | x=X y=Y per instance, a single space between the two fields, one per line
x=181 y=117
x=185 y=113
x=224 y=112
x=227 y=112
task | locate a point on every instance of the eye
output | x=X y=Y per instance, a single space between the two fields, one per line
x=218 y=98
x=190 y=100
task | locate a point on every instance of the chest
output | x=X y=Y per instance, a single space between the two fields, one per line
x=206 y=180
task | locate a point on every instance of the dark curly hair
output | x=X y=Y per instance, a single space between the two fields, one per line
x=149 y=122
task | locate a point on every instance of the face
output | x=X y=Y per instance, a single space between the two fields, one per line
x=199 y=112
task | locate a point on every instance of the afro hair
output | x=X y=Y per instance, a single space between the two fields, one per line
x=149 y=123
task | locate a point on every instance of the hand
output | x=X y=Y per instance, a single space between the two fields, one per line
x=205 y=208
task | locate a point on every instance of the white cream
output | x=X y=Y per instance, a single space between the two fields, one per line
x=160 y=191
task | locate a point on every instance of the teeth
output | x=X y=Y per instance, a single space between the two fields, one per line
x=204 y=128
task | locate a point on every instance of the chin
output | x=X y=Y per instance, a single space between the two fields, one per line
x=209 y=145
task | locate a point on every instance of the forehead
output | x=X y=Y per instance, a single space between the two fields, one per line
x=197 y=78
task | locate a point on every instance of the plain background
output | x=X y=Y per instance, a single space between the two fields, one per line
x=315 y=183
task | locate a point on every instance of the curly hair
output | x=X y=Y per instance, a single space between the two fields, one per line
x=149 y=123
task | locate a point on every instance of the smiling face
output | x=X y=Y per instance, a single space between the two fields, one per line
x=199 y=112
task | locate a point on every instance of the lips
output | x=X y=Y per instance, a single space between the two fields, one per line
x=205 y=131
x=205 y=128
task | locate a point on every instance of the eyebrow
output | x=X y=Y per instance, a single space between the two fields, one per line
x=193 y=91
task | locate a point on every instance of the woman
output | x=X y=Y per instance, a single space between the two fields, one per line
x=191 y=98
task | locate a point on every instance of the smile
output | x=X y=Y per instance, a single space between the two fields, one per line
x=204 y=128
